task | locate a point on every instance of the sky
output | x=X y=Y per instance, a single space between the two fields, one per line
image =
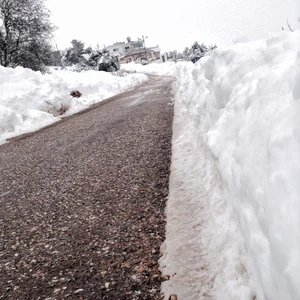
x=171 y=24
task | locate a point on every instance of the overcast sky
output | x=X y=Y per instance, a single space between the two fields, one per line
x=169 y=24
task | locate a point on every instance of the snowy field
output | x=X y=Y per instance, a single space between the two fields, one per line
x=30 y=100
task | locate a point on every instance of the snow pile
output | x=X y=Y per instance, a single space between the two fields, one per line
x=30 y=100
x=162 y=69
x=244 y=102
x=203 y=254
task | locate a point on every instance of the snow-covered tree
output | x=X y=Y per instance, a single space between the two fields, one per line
x=197 y=51
x=36 y=56
x=186 y=53
x=89 y=59
x=74 y=53
x=108 y=62
x=25 y=34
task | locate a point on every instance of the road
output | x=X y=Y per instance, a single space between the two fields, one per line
x=82 y=201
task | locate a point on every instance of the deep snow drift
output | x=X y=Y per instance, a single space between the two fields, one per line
x=30 y=100
x=243 y=102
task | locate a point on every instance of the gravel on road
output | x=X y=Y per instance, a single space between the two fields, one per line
x=82 y=201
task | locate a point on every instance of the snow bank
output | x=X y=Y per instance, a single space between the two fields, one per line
x=30 y=100
x=244 y=102
x=203 y=253
x=162 y=69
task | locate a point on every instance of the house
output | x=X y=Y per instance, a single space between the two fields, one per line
x=120 y=48
x=134 y=51
x=140 y=55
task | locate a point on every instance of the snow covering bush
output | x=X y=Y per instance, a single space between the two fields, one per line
x=30 y=100
x=197 y=51
x=245 y=103
x=81 y=59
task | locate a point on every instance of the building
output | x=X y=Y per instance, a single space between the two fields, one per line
x=120 y=48
x=134 y=51
x=141 y=55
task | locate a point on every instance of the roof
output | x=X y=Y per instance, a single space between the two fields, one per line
x=123 y=44
x=155 y=49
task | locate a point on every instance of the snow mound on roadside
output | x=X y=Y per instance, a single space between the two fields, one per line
x=244 y=103
x=30 y=100
x=204 y=253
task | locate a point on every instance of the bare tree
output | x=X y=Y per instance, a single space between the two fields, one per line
x=25 y=33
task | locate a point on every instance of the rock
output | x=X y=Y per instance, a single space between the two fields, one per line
x=164 y=278
x=173 y=297
x=150 y=263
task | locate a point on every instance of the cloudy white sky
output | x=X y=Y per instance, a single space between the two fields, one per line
x=171 y=24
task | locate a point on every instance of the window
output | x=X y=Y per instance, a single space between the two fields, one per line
x=116 y=49
x=127 y=48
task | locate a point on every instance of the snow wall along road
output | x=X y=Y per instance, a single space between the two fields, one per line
x=245 y=100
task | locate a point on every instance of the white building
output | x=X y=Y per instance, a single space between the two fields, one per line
x=140 y=55
x=122 y=47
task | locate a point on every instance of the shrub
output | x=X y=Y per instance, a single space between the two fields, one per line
x=88 y=59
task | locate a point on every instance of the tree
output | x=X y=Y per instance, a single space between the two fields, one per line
x=173 y=55
x=74 y=54
x=36 y=56
x=197 y=51
x=25 y=34
x=108 y=62
x=89 y=59
x=186 y=53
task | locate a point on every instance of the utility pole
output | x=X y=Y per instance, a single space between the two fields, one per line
x=143 y=39
x=139 y=43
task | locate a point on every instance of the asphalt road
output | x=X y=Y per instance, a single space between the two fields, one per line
x=82 y=201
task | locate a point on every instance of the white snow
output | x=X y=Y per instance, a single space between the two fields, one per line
x=203 y=254
x=162 y=69
x=233 y=214
x=30 y=100
x=242 y=103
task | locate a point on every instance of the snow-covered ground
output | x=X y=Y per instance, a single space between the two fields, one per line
x=166 y=69
x=30 y=100
x=233 y=214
